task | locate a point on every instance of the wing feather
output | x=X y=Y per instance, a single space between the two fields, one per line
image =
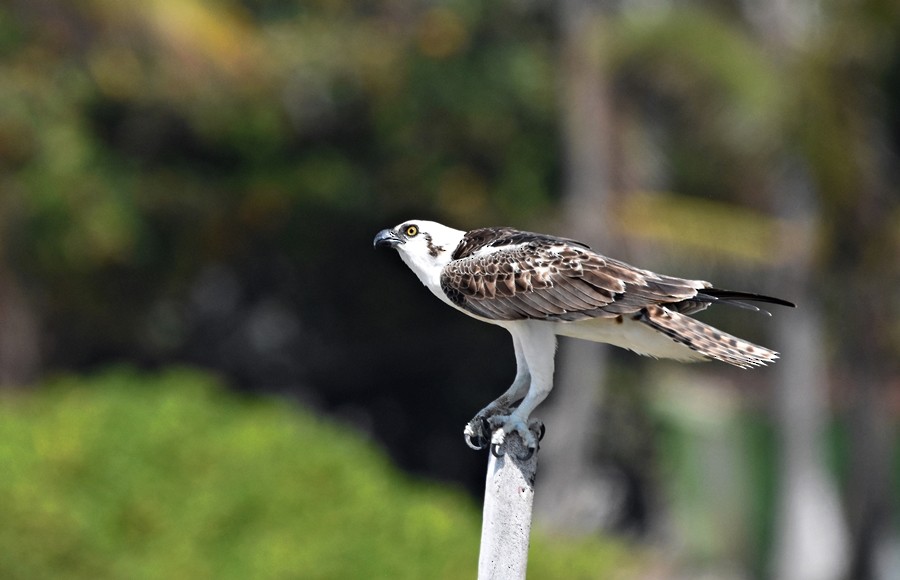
x=544 y=304
x=507 y=274
x=569 y=298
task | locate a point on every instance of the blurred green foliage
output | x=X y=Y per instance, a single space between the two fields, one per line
x=142 y=141
x=128 y=475
x=128 y=126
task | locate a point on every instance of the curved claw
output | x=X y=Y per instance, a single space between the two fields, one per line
x=528 y=454
x=497 y=451
x=477 y=440
x=542 y=430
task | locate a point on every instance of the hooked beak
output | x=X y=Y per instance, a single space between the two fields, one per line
x=387 y=238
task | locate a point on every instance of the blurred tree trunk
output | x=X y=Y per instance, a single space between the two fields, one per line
x=19 y=336
x=810 y=535
x=811 y=539
x=865 y=270
x=575 y=496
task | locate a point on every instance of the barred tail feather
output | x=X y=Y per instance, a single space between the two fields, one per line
x=705 y=339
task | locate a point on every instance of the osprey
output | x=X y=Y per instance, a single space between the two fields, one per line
x=539 y=287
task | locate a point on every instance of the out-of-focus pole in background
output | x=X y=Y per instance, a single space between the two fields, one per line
x=810 y=536
x=575 y=496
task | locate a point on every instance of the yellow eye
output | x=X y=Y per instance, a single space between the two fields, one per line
x=411 y=231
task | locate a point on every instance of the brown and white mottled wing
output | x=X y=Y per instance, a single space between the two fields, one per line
x=506 y=274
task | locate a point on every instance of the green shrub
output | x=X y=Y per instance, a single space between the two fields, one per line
x=128 y=475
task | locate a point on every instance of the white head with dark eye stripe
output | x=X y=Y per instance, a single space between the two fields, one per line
x=425 y=246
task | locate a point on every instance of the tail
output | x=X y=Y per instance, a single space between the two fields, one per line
x=705 y=339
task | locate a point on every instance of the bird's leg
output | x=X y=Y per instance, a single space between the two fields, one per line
x=538 y=347
x=478 y=431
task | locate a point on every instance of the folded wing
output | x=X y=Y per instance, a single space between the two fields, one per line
x=506 y=274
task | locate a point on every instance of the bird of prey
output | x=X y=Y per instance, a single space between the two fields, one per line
x=540 y=286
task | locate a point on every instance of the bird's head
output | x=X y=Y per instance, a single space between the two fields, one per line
x=425 y=246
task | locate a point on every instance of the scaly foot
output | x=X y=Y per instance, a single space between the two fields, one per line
x=531 y=434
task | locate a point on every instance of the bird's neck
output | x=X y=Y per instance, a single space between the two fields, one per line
x=427 y=269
